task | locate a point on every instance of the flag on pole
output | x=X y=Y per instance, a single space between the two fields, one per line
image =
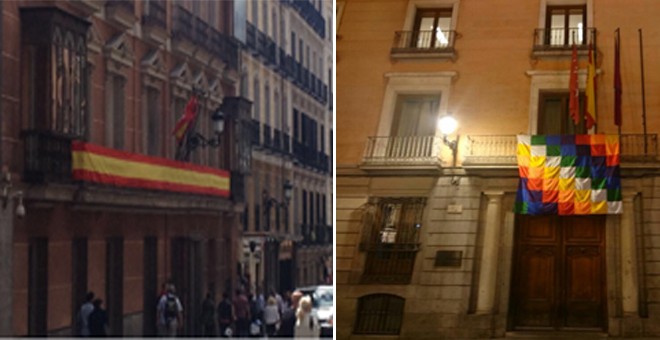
x=574 y=91
x=183 y=124
x=590 y=113
x=617 y=80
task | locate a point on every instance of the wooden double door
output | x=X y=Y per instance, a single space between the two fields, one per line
x=559 y=276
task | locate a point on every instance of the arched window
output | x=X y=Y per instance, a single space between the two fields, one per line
x=380 y=314
x=255 y=100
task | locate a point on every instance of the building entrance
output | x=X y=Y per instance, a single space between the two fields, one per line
x=559 y=276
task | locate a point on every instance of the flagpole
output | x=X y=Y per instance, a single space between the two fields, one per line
x=595 y=55
x=618 y=60
x=641 y=58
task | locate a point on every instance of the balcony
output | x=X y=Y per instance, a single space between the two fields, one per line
x=268 y=141
x=251 y=37
x=154 y=22
x=47 y=157
x=283 y=62
x=121 y=13
x=270 y=52
x=423 y=45
x=224 y=47
x=402 y=153
x=286 y=146
x=498 y=152
x=254 y=132
x=309 y=13
x=553 y=42
x=183 y=34
x=262 y=44
x=277 y=140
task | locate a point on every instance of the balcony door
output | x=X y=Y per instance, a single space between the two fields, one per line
x=432 y=27
x=413 y=126
x=565 y=25
x=554 y=118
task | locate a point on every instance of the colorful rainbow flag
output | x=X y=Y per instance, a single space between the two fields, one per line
x=568 y=175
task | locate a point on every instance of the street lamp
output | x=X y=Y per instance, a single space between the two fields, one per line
x=269 y=201
x=197 y=139
x=447 y=125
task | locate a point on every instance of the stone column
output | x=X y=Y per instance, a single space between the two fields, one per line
x=629 y=280
x=489 y=256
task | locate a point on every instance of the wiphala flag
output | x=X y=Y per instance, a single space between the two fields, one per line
x=568 y=175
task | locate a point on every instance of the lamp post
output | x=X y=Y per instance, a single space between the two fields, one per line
x=270 y=251
x=447 y=125
x=287 y=189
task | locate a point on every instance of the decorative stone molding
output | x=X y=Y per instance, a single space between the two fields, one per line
x=88 y=7
x=118 y=53
x=215 y=92
x=153 y=68
x=121 y=13
x=181 y=80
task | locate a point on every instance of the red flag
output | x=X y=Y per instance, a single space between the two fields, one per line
x=573 y=90
x=617 y=80
x=183 y=123
x=590 y=113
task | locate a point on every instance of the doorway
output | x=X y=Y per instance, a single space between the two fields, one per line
x=559 y=276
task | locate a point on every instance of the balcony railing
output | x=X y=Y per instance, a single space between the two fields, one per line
x=277 y=140
x=183 y=24
x=267 y=136
x=254 y=131
x=501 y=149
x=389 y=265
x=563 y=38
x=47 y=157
x=251 y=37
x=286 y=146
x=201 y=32
x=423 y=42
x=155 y=14
x=401 y=150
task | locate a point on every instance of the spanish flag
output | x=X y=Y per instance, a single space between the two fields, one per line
x=183 y=124
x=590 y=114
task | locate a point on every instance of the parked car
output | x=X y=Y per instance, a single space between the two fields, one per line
x=322 y=306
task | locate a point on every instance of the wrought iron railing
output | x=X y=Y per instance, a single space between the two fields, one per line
x=47 y=157
x=155 y=14
x=183 y=24
x=501 y=149
x=267 y=136
x=251 y=36
x=201 y=32
x=286 y=140
x=254 y=131
x=423 y=41
x=563 y=38
x=277 y=139
x=224 y=47
x=402 y=149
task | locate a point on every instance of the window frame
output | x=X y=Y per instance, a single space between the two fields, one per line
x=384 y=315
x=567 y=29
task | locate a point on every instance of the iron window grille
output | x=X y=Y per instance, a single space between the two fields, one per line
x=379 y=314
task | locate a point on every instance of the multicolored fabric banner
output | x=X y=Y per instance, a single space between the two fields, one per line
x=93 y=163
x=568 y=175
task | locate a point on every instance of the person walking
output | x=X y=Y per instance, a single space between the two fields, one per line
x=271 y=316
x=242 y=313
x=225 y=316
x=170 y=313
x=82 y=321
x=207 y=316
x=98 y=320
x=307 y=325
x=288 y=319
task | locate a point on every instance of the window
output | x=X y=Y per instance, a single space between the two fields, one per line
x=257 y=198
x=255 y=100
x=255 y=13
x=278 y=117
x=554 y=118
x=115 y=111
x=415 y=115
x=390 y=236
x=565 y=25
x=265 y=16
x=432 y=26
x=380 y=314
x=153 y=126
x=267 y=105
x=55 y=71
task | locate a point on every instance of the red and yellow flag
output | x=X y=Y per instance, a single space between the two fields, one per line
x=573 y=90
x=590 y=113
x=97 y=164
x=183 y=124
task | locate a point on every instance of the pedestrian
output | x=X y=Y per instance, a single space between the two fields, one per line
x=307 y=325
x=82 y=320
x=271 y=317
x=256 y=324
x=288 y=319
x=98 y=320
x=242 y=313
x=207 y=316
x=225 y=316
x=170 y=313
x=278 y=298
